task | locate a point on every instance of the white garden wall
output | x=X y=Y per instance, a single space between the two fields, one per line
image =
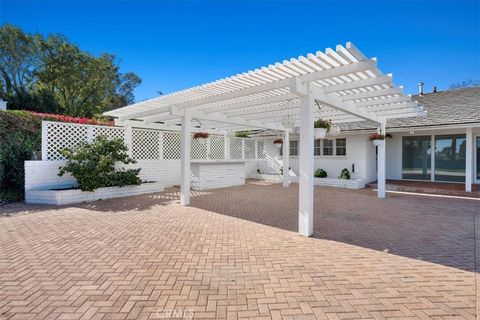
x=44 y=174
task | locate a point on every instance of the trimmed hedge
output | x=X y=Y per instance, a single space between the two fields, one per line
x=20 y=136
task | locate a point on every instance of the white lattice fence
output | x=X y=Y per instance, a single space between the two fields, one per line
x=171 y=145
x=198 y=150
x=249 y=148
x=217 y=147
x=236 y=148
x=261 y=149
x=147 y=144
x=57 y=136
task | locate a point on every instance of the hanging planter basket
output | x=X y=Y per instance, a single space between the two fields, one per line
x=278 y=143
x=201 y=137
x=320 y=133
x=376 y=138
x=321 y=128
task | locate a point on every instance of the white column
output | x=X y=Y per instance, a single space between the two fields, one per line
x=286 y=159
x=381 y=183
x=90 y=133
x=432 y=159
x=129 y=139
x=469 y=161
x=227 y=147
x=305 y=197
x=185 y=160
x=44 y=140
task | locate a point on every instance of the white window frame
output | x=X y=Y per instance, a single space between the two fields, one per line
x=345 y=147
x=332 y=147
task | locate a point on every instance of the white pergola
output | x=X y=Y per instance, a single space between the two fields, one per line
x=346 y=85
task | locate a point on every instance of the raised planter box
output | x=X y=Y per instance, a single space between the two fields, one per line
x=337 y=183
x=71 y=196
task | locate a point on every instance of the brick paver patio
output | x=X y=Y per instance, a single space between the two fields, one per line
x=235 y=254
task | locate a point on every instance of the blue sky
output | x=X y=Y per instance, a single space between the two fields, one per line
x=175 y=45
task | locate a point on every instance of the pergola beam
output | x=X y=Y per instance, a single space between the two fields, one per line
x=220 y=118
x=336 y=102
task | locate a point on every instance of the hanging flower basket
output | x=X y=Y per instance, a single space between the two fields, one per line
x=278 y=143
x=201 y=137
x=376 y=138
x=321 y=128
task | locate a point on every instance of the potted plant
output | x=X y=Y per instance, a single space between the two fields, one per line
x=201 y=137
x=321 y=127
x=278 y=142
x=376 y=138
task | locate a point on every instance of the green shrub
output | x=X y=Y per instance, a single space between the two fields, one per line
x=320 y=173
x=345 y=174
x=93 y=165
x=19 y=138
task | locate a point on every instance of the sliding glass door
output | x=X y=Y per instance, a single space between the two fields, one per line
x=450 y=158
x=416 y=159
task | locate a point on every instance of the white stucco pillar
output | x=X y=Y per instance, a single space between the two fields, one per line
x=129 y=139
x=185 y=160
x=469 y=160
x=286 y=159
x=305 y=197
x=381 y=164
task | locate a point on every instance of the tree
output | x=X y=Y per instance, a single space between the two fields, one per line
x=53 y=75
x=19 y=58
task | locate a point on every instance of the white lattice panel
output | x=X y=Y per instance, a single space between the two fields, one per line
x=108 y=132
x=217 y=147
x=63 y=135
x=261 y=149
x=171 y=145
x=145 y=144
x=249 y=148
x=198 y=149
x=236 y=148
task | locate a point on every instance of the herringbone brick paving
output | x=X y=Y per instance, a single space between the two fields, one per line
x=232 y=254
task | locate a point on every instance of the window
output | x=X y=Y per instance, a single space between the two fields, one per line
x=327 y=147
x=416 y=158
x=341 y=147
x=317 y=147
x=294 y=148
x=450 y=158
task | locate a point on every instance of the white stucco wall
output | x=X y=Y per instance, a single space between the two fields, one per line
x=360 y=152
x=44 y=174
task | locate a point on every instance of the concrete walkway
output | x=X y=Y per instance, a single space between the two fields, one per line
x=235 y=254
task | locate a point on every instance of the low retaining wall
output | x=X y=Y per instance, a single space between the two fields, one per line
x=70 y=196
x=337 y=183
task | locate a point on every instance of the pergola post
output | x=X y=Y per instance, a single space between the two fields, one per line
x=381 y=166
x=469 y=160
x=286 y=159
x=185 y=160
x=305 y=197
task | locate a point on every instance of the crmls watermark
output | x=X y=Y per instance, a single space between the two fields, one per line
x=175 y=314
